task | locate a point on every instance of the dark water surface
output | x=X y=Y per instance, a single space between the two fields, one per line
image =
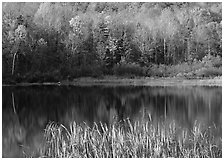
x=27 y=110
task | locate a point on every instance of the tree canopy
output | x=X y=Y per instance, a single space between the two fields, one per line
x=73 y=38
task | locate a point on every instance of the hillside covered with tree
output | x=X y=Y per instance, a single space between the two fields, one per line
x=50 y=42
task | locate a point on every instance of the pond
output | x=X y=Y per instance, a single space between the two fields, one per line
x=27 y=110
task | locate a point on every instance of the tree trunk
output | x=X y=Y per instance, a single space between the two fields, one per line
x=174 y=54
x=156 y=55
x=164 y=45
x=188 y=48
x=209 y=50
x=15 y=50
x=13 y=62
x=164 y=49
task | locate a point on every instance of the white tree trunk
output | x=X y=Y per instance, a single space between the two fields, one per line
x=164 y=49
x=209 y=49
x=13 y=62
x=164 y=45
x=15 y=51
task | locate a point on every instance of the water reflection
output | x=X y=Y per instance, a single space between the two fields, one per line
x=27 y=110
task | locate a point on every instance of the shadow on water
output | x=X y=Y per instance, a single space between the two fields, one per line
x=27 y=110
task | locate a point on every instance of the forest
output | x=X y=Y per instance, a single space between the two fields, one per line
x=51 y=42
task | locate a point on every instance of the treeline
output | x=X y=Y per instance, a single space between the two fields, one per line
x=55 y=41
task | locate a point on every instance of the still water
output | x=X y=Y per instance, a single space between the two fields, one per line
x=27 y=110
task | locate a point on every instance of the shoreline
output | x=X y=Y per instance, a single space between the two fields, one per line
x=119 y=81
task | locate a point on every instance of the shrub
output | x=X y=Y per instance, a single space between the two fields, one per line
x=36 y=77
x=217 y=62
x=206 y=72
x=51 y=76
x=128 y=69
x=212 y=61
x=19 y=78
x=86 y=71
x=155 y=70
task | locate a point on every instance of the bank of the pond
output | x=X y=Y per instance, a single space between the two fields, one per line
x=120 y=81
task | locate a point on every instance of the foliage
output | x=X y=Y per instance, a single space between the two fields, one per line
x=69 y=38
x=128 y=70
x=206 y=72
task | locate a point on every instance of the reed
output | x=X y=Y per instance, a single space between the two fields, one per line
x=127 y=140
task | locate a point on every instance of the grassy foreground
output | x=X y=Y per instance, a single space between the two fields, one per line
x=127 y=140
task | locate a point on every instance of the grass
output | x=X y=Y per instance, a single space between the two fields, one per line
x=127 y=140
